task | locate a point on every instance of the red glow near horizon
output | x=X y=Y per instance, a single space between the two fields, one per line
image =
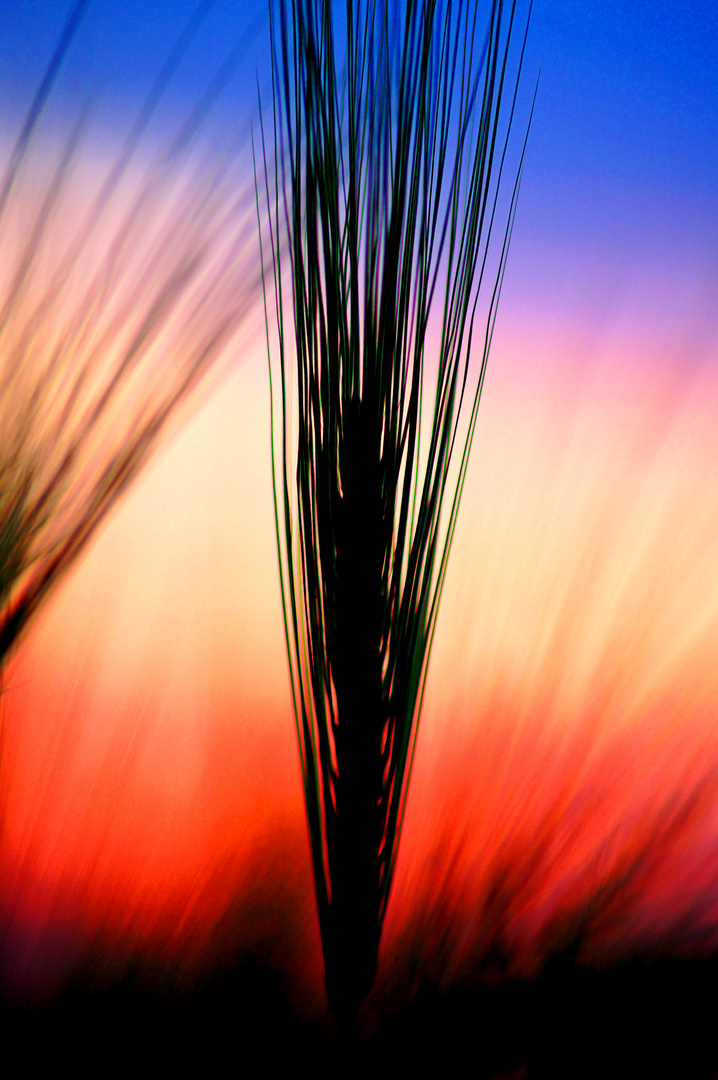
x=566 y=768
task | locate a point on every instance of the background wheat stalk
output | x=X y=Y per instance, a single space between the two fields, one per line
x=113 y=306
x=391 y=130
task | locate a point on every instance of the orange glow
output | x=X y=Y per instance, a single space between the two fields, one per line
x=564 y=779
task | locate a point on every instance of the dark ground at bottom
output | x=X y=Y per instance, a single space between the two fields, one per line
x=640 y=1018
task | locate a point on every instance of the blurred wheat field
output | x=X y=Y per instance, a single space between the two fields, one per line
x=564 y=788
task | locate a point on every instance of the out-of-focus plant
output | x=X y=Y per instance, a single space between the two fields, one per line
x=391 y=133
x=113 y=307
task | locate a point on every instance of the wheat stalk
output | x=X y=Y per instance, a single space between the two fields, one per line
x=391 y=132
x=113 y=308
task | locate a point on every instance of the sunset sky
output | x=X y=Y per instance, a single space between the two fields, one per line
x=570 y=728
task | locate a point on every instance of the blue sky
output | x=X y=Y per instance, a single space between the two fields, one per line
x=622 y=164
